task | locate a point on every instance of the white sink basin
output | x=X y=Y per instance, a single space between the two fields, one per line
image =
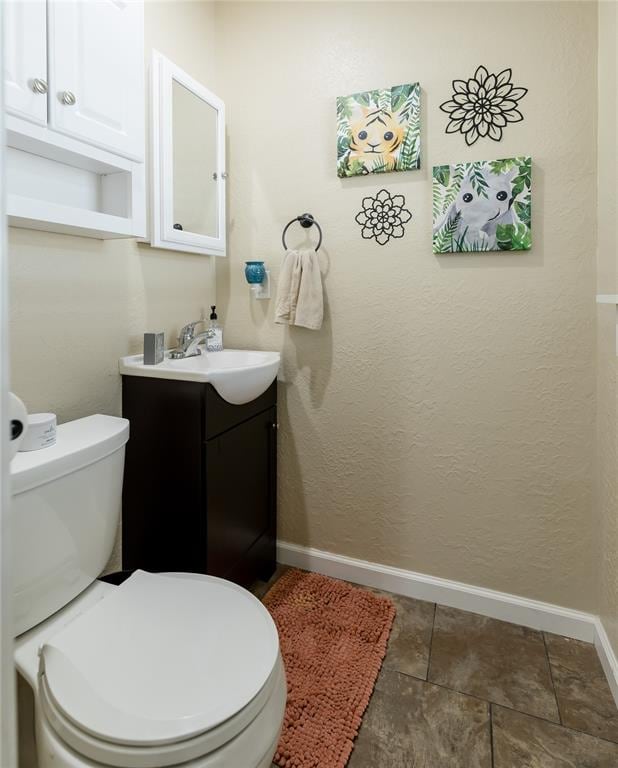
x=238 y=375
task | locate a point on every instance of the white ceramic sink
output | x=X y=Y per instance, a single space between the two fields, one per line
x=238 y=375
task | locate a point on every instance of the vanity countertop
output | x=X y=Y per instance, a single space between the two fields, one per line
x=238 y=375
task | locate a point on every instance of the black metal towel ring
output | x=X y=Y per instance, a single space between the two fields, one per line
x=305 y=220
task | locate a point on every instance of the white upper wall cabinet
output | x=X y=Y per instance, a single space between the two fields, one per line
x=25 y=62
x=74 y=73
x=96 y=73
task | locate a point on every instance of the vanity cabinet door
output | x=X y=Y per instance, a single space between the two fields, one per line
x=96 y=72
x=25 y=59
x=240 y=497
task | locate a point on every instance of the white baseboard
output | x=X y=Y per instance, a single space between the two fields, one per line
x=488 y=602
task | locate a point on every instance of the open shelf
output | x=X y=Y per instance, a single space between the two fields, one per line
x=57 y=184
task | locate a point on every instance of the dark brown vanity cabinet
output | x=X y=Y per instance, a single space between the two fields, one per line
x=200 y=480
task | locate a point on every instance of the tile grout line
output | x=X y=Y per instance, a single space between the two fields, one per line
x=551 y=677
x=452 y=690
x=491 y=733
x=559 y=725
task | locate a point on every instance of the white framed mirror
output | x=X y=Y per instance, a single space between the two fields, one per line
x=188 y=162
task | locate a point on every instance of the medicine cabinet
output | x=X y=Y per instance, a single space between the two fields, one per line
x=188 y=162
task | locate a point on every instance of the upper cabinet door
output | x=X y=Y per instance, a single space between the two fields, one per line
x=25 y=59
x=96 y=72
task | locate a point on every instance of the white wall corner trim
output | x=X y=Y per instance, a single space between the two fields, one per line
x=608 y=659
x=487 y=602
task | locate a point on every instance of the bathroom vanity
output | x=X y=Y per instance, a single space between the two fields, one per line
x=200 y=478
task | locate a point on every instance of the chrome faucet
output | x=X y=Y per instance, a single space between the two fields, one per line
x=188 y=341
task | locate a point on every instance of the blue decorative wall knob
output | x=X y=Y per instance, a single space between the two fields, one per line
x=255 y=272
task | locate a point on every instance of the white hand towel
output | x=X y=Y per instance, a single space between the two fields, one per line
x=299 y=295
x=287 y=289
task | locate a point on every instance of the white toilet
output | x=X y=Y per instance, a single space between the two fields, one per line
x=170 y=669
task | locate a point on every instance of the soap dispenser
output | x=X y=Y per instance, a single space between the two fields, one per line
x=215 y=342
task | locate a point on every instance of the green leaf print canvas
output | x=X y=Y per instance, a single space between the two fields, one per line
x=482 y=206
x=379 y=131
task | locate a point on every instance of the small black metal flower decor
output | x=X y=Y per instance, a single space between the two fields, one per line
x=483 y=105
x=383 y=217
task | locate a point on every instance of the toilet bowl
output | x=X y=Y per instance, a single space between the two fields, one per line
x=165 y=670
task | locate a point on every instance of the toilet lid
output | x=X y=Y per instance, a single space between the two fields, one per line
x=161 y=659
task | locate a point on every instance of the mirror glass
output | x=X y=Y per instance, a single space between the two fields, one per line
x=194 y=132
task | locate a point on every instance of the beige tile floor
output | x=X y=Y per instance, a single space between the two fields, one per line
x=459 y=690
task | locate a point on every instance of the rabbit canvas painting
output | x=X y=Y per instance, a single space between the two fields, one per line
x=482 y=206
x=379 y=131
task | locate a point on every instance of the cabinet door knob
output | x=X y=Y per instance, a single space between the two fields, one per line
x=68 y=98
x=274 y=425
x=38 y=85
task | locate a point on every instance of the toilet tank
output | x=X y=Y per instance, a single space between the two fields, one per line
x=65 y=511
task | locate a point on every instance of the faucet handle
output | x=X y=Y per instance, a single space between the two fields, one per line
x=187 y=332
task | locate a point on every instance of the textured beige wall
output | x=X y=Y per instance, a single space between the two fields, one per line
x=78 y=304
x=607 y=369
x=443 y=418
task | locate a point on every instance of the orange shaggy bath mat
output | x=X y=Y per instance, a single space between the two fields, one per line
x=333 y=639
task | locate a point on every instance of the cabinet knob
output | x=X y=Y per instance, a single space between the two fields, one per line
x=274 y=425
x=38 y=85
x=68 y=98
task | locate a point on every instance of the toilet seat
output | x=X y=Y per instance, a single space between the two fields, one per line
x=181 y=753
x=123 y=686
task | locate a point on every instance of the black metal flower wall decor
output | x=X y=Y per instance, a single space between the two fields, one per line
x=383 y=217
x=483 y=105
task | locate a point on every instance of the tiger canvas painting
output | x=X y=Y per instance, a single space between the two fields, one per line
x=379 y=131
